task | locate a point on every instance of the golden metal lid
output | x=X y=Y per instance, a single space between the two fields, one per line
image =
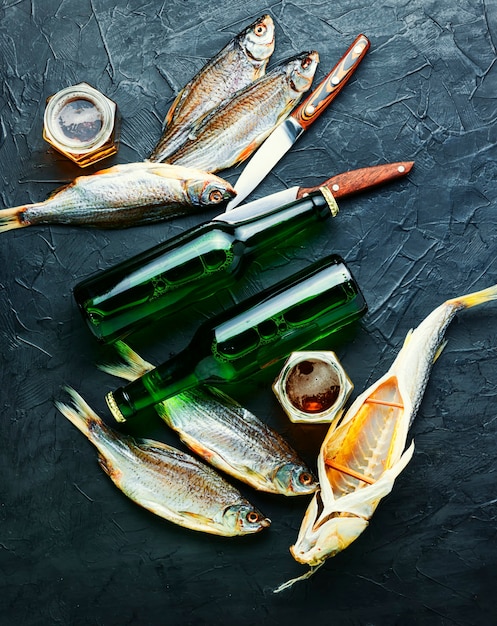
x=80 y=122
x=312 y=387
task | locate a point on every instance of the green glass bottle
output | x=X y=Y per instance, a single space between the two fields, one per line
x=187 y=268
x=252 y=335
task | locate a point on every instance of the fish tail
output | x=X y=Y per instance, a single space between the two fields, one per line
x=474 y=299
x=291 y=582
x=12 y=218
x=80 y=414
x=132 y=366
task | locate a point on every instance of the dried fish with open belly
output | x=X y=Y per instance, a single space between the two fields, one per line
x=166 y=481
x=122 y=196
x=362 y=456
x=226 y=435
x=240 y=62
x=230 y=132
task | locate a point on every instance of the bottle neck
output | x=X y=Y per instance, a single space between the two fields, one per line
x=281 y=223
x=252 y=335
x=175 y=375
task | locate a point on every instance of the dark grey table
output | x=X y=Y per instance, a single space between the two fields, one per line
x=73 y=549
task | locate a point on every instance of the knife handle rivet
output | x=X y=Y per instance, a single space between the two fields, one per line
x=359 y=48
x=335 y=187
x=310 y=109
x=335 y=80
x=401 y=169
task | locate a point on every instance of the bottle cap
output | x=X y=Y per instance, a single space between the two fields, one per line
x=80 y=123
x=312 y=387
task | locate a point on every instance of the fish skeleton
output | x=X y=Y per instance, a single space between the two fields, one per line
x=226 y=435
x=230 y=132
x=166 y=481
x=360 y=458
x=240 y=62
x=122 y=196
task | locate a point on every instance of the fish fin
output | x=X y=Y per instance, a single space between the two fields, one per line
x=222 y=397
x=165 y=170
x=439 y=350
x=174 y=106
x=197 y=126
x=12 y=218
x=198 y=448
x=114 y=473
x=163 y=450
x=292 y=581
x=57 y=190
x=133 y=365
x=198 y=517
x=234 y=406
x=80 y=414
x=475 y=298
x=162 y=411
x=408 y=337
x=247 y=151
x=157 y=447
x=102 y=461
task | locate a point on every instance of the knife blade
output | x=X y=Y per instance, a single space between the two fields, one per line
x=287 y=133
x=340 y=186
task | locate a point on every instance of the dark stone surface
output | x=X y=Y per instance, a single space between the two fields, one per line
x=73 y=549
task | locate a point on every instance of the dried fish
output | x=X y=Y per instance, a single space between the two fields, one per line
x=240 y=62
x=166 y=481
x=230 y=132
x=226 y=435
x=122 y=196
x=362 y=456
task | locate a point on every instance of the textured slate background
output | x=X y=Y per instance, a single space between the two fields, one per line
x=73 y=549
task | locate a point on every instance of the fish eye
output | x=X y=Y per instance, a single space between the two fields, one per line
x=253 y=517
x=306 y=62
x=215 y=196
x=260 y=29
x=306 y=478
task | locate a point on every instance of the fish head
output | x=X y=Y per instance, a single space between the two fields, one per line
x=208 y=190
x=244 y=519
x=300 y=71
x=257 y=40
x=295 y=479
x=323 y=536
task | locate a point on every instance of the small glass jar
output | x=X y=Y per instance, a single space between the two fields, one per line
x=312 y=387
x=80 y=122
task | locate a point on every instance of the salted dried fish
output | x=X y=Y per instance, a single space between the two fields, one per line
x=226 y=435
x=240 y=62
x=230 y=132
x=122 y=196
x=360 y=458
x=166 y=481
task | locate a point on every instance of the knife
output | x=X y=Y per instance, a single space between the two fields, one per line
x=339 y=186
x=287 y=133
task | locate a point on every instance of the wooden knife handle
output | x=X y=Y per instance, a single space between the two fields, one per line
x=349 y=183
x=332 y=84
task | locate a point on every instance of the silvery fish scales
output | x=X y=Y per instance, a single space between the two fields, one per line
x=231 y=132
x=233 y=440
x=226 y=435
x=166 y=481
x=240 y=62
x=122 y=196
x=363 y=453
